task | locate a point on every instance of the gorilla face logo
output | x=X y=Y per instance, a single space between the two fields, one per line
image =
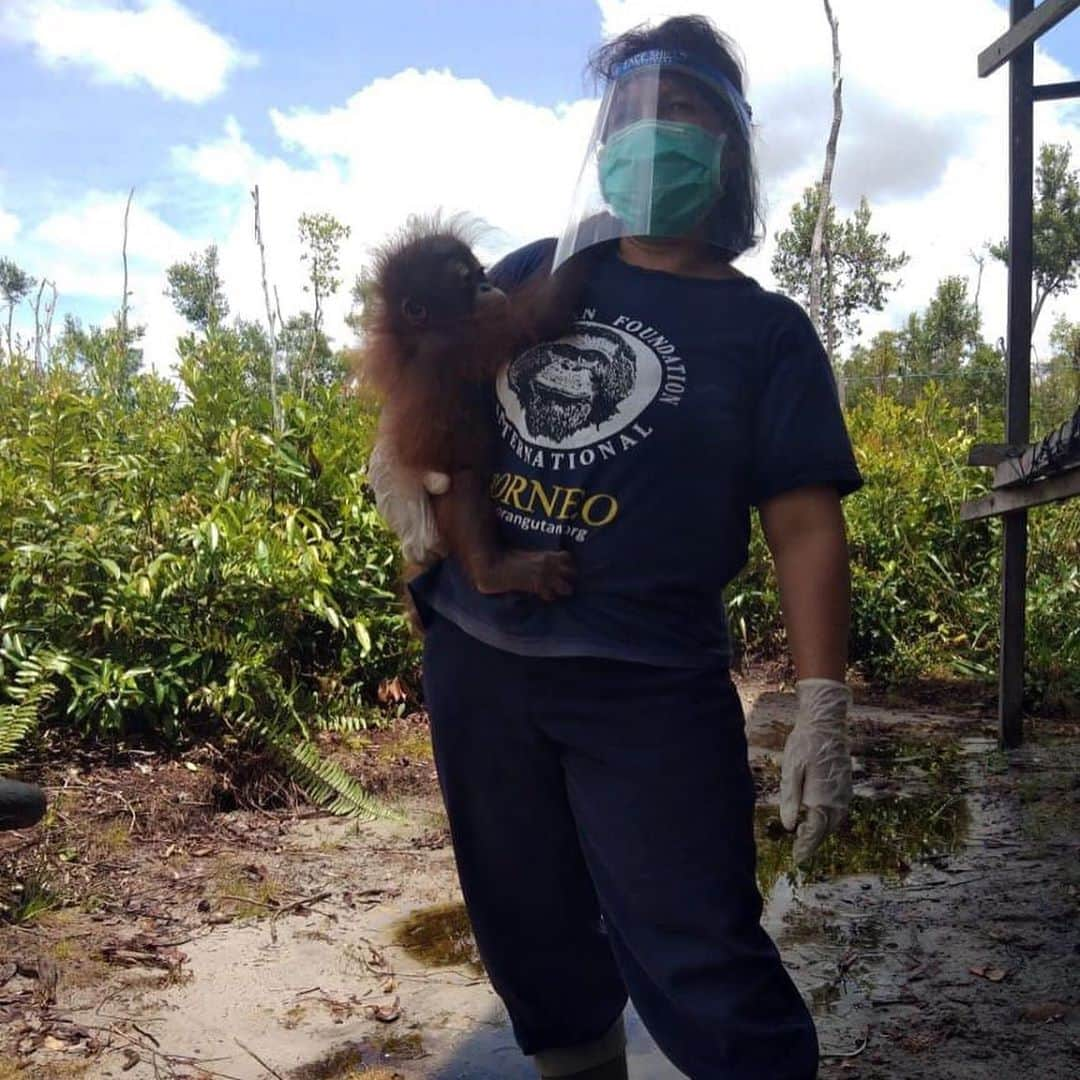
x=577 y=383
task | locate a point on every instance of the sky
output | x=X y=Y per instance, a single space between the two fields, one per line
x=372 y=110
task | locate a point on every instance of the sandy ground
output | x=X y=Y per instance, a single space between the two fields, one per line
x=937 y=939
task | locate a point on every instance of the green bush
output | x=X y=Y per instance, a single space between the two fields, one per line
x=926 y=586
x=175 y=566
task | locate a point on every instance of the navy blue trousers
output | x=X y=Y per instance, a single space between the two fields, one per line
x=602 y=820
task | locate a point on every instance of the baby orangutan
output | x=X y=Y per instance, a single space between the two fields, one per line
x=436 y=332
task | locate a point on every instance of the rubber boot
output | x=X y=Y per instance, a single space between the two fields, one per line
x=603 y=1059
x=615 y=1069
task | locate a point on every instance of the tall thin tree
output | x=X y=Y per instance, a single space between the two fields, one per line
x=817 y=244
x=274 y=411
x=124 y=298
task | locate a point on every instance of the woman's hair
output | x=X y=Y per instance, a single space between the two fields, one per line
x=739 y=208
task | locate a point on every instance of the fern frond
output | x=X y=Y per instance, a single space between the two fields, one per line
x=18 y=719
x=345 y=723
x=324 y=782
x=330 y=786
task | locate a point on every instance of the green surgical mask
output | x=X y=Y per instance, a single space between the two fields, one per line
x=659 y=177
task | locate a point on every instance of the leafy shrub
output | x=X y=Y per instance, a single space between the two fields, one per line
x=926 y=586
x=177 y=567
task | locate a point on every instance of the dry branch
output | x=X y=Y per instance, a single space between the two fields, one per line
x=124 y=300
x=269 y=312
x=825 y=190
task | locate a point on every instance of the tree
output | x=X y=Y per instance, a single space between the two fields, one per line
x=196 y=290
x=323 y=234
x=982 y=382
x=857 y=266
x=1056 y=393
x=941 y=340
x=817 y=241
x=110 y=356
x=877 y=368
x=308 y=353
x=945 y=343
x=15 y=286
x=1056 y=227
x=942 y=343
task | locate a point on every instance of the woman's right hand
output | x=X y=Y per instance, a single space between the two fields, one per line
x=403 y=497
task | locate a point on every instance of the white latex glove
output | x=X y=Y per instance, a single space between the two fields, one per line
x=402 y=497
x=816 y=771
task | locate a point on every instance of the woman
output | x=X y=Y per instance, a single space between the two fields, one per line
x=591 y=751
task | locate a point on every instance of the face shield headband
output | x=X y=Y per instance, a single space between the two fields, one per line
x=675 y=60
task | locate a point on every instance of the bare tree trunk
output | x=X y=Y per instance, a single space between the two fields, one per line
x=277 y=307
x=825 y=188
x=37 y=326
x=316 y=318
x=289 y=381
x=980 y=262
x=831 y=331
x=124 y=301
x=269 y=314
x=1041 y=296
x=10 y=320
x=50 y=310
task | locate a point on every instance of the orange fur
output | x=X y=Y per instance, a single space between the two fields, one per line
x=433 y=380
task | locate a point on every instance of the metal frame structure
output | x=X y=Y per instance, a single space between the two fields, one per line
x=1014 y=488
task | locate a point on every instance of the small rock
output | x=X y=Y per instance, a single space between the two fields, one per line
x=1044 y=1013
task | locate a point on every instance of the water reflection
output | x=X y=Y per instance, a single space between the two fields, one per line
x=439 y=936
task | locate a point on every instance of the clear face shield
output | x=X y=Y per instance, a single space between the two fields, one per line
x=667 y=136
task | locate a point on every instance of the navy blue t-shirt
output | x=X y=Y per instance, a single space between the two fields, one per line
x=639 y=442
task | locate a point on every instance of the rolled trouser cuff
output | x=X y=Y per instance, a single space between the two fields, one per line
x=568 y=1060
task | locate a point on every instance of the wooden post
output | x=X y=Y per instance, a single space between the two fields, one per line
x=1018 y=385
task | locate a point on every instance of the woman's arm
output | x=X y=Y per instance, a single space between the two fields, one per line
x=805 y=533
x=806 y=536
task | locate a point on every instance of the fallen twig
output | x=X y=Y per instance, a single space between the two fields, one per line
x=306 y=901
x=849 y=1054
x=270 y=1069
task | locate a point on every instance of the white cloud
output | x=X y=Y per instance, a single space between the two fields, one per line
x=224 y=161
x=80 y=248
x=158 y=42
x=9 y=226
x=923 y=137
x=413 y=143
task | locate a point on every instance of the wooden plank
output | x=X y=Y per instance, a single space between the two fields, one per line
x=1066 y=485
x=1017 y=467
x=1056 y=91
x=1014 y=472
x=1024 y=31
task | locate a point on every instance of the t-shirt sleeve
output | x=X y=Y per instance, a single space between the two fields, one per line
x=511 y=270
x=800 y=439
